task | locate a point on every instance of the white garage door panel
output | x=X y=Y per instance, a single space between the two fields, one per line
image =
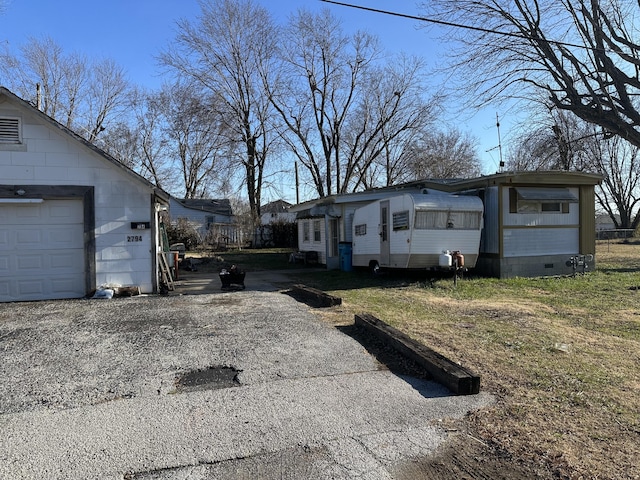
x=36 y=238
x=42 y=250
x=56 y=262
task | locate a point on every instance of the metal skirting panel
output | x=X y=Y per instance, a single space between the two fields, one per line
x=540 y=266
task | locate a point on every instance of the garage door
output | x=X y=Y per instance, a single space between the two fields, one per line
x=41 y=250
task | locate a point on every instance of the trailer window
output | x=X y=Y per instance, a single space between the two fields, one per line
x=401 y=220
x=434 y=220
x=384 y=224
x=316 y=230
x=305 y=231
x=537 y=200
x=361 y=229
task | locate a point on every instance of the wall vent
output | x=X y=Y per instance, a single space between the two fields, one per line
x=9 y=130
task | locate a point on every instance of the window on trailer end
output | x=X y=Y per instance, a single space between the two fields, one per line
x=316 y=231
x=401 y=220
x=305 y=231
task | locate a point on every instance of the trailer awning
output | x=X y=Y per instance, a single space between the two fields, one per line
x=306 y=213
x=537 y=194
x=318 y=211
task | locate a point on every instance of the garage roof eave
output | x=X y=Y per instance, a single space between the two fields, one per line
x=162 y=195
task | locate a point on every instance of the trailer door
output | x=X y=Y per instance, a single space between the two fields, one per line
x=384 y=233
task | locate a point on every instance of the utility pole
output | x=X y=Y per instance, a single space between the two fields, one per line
x=499 y=142
x=297 y=183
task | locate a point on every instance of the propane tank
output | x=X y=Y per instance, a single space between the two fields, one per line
x=445 y=259
x=458 y=258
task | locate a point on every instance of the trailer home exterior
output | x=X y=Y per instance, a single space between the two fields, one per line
x=413 y=230
x=534 y=222
x=326 y=222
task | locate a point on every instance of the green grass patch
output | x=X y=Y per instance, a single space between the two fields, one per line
x=562 y=352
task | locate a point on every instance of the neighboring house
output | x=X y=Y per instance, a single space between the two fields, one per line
x=606 y=228
x=276 y=212
x=213 y=219
x=604 y=222
x=533 y=221
x=72 y=218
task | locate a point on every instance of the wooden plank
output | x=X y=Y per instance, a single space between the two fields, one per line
x=455 y=377
x=318 y=297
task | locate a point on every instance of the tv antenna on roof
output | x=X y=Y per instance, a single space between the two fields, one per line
x=499 y=147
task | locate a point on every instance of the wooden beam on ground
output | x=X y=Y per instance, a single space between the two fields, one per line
x=317 y=297
x=453 y=376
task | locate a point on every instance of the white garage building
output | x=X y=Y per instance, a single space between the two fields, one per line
x=72 y=218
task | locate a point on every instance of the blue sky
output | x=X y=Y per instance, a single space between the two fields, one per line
x=132 y=32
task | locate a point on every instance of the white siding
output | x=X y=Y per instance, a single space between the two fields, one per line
x=312 y=245
x=437 y=241
x=540 y=219
x=347 y=224
x=530 y=242
x=368 y=244
x=532 y=237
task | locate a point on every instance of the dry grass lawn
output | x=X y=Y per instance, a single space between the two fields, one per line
x=562 y=356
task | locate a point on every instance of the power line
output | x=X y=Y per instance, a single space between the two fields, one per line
x=459 y=25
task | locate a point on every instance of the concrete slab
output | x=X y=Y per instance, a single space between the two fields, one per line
x=90 y=390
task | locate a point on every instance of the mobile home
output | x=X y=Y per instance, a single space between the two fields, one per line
x=413 y=230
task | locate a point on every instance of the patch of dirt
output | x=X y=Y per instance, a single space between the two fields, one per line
x=463 y=456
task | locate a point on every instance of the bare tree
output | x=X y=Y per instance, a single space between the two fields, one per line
x=321 y=72
x=106 y=94
x=392 y=109
x=223 y=51
x=40 y=63
x=444 y=155
x=619 y=194
x=553 y=140
x=83 y=95
x=583 y=55
x=141 y=142
x=391 y=166
x=342 y=105
x=196 y=136
x=152 y=150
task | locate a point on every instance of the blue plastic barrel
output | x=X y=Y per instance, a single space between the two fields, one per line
x=344 y=250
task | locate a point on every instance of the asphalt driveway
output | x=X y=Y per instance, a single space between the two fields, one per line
x=243 y=384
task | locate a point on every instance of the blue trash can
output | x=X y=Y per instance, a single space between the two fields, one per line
x=344 y=250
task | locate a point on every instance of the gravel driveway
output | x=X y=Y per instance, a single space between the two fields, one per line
x=248 y=384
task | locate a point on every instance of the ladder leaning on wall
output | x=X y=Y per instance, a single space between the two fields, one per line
x=166 y=279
